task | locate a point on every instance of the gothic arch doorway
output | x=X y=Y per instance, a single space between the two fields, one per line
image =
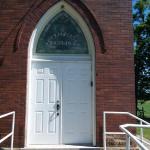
x=61 y=80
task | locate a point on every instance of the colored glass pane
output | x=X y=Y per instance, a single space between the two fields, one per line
x=62 y=35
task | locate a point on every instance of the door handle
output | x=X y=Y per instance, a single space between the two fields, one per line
x=58 y=107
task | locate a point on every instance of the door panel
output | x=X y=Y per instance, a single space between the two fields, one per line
x=67 y=84
x=38 y=122
x=76 y=103
x=44 y=122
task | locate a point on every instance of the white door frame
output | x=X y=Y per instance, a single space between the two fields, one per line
x=32 y=47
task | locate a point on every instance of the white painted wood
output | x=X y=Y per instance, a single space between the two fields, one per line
x=55 y=59
x=53 y=11
x=48 y=81
x=76 y=103
x=44 y=122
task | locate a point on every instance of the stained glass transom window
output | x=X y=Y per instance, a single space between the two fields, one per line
x=62 y=35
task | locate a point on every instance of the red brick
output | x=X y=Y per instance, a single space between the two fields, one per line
x=114 y=69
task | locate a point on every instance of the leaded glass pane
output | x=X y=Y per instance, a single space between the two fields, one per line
x=62 y=35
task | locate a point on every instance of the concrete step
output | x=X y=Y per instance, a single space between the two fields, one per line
x=59 y=147
x=65 y=147
x=81 y=148
x=91 y=148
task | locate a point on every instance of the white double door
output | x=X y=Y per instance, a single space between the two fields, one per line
x=60 y=106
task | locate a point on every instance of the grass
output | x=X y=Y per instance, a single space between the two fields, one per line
x=146 y=107
x=146 y=133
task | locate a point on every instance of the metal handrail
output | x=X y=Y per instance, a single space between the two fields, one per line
x=130 y=135
x=11 y=134
x=122 y=113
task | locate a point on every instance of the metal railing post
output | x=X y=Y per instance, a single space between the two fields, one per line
x=141 y=132
x=11 y=134
x=127 y=142
x=13 y=127
x=104 y=130
x=140 y=141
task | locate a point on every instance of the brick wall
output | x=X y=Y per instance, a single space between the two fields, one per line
x=114 y=68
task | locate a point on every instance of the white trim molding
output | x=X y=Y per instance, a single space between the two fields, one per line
x=53 y=11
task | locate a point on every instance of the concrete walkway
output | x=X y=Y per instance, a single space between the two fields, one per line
x=72 y=148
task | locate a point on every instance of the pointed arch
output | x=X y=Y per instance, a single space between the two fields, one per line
x=62 y=35
x=91 y=19
x=56 y=9
x=89 y=15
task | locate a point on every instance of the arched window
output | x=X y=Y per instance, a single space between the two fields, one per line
x=62 y=35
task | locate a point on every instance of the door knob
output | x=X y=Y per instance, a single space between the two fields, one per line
x=58 y=107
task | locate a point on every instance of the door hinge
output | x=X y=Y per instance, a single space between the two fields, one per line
x=91 y=83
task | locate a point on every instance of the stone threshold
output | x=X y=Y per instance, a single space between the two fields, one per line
x=68 y=147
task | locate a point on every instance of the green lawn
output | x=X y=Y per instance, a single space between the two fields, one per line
x=146 y=133
x=146 y=107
